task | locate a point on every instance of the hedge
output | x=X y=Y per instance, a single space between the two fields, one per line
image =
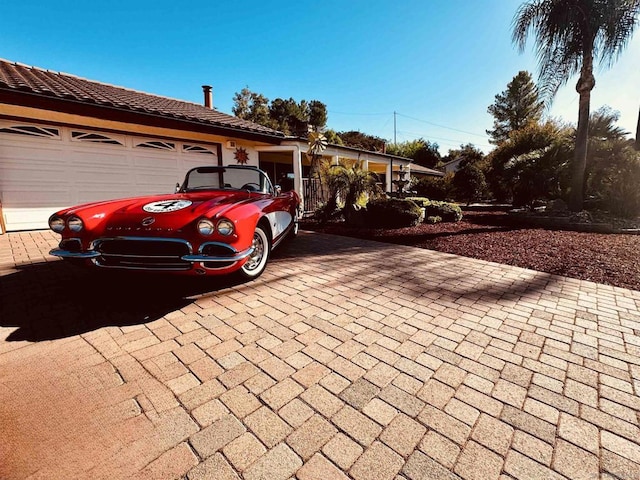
x=449 y=212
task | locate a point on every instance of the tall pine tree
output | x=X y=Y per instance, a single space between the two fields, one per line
x=515 y=107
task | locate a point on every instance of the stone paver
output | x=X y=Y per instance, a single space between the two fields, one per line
x=346 y=359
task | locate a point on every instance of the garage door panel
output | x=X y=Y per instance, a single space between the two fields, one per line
x=48 y=153
x=156 y=178
x=39 y=175
x=101 y=177
x=87 y=196
x=105 y=159
x=33 y=196
x=155 y=162
x=28 y=218
x=17 y=166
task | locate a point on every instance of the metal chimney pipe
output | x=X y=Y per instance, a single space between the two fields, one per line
x=208 y=96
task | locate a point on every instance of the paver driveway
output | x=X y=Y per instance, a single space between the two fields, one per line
x=346 y=359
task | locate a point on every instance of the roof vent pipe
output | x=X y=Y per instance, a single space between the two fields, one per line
x=208 y=96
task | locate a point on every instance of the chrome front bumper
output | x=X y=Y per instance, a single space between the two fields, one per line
x=139 y=258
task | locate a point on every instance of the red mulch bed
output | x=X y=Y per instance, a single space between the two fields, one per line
x=612 y=259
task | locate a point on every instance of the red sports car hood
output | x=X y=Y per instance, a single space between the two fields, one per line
x=161 y=212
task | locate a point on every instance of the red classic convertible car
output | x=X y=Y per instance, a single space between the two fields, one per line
x=221 y=220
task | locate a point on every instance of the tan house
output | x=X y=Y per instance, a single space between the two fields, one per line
x=65 y=140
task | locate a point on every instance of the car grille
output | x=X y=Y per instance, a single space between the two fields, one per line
x=142 y=253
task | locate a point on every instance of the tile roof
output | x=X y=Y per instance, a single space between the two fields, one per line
x=15 y=76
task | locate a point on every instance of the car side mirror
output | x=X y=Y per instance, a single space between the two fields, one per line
x=177 y=189
x=278 y=190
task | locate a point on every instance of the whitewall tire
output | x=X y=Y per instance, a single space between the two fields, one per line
x=257 y=261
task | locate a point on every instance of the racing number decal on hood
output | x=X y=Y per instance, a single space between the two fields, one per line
x=166 y=206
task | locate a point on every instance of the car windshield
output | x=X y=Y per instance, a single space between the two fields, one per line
x=227 y=178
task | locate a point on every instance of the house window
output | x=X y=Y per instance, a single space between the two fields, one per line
x=197 y=149
x=32 y=131
x=158 y=145
x=95 y=138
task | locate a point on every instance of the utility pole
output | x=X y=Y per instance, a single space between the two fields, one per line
x=391 y=158
x=394 y=128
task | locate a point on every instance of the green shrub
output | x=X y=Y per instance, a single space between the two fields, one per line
x=448 y=212
x=393 y=213
x=327 y=211
x=422 y=202
x=433 y=220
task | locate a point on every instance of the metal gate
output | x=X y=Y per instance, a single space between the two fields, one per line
x=312 y=194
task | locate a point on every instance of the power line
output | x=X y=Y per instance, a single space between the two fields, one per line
x=457 y=142
x=360 y=114
x=411 y=118
x=443 y=126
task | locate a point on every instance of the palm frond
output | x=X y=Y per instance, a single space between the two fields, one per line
x=565 y=31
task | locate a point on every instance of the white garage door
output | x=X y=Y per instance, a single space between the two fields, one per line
x=46 y=168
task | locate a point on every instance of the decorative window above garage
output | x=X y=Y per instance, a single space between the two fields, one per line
x=197 y=149
x=95 y=138
x=32 y=131
x=158 y=145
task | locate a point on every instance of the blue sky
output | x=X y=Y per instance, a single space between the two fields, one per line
x=438 y=63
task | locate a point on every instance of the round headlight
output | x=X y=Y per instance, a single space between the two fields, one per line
x=75 y=224
x=225 y=227
x=206 y=227
x=56 y=224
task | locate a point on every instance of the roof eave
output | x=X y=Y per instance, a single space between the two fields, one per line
x=111 y=112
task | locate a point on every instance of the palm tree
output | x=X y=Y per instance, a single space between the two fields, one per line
x=350 y=181
x=569 y=36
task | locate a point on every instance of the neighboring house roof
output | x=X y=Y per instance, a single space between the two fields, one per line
x=17 y=78
x=414 y=168
x=452 y=163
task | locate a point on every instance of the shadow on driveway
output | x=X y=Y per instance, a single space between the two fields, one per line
x=54 y=300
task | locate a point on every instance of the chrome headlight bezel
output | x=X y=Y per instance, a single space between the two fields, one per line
x=75 y=224
x=57 y=224
x=206 y=227
x=225 y=227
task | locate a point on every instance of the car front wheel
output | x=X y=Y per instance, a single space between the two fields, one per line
x=257 y=261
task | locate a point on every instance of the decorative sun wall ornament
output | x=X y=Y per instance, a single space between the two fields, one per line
x=241 y=156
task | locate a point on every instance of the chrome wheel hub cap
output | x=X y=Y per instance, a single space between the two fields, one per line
x=258 y=252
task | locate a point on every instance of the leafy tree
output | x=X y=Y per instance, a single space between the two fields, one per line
x=469 y=183
x=518 y=105
x=333 y=137
x=286 y=115
x=569 y=36
x=317 y=114
x=251 y=106
x=421 y=151
x=435 y=188
x=363 y=141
